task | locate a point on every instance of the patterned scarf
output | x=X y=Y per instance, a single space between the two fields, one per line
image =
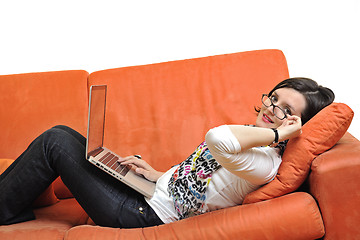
x=190 y=180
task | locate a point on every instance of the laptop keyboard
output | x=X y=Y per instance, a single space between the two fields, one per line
x=110 y=160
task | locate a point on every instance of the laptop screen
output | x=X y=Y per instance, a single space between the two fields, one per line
x=96 y=118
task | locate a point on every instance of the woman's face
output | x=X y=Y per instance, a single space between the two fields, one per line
x=289 y=100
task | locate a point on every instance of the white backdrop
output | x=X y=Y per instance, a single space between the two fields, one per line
x=320 y=38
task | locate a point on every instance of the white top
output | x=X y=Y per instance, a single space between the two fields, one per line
x=241 y=173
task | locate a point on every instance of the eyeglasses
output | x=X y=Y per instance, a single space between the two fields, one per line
x=268 y=102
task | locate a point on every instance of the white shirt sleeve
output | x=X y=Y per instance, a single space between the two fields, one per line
x=257 y=165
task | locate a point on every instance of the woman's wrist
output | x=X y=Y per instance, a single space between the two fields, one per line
x=281 y=135
x=158 y=175
x=249 y=137
x=276 y=137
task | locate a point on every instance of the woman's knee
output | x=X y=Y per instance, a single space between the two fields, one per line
x=58 y=142
x=63 y=127
x=75 y=134
x=57 y=134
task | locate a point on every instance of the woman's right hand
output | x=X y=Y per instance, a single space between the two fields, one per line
x=290 y=128
x=141 y=167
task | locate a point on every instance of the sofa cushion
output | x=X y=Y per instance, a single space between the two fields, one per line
x=51 y=222
x=321 y=133
x=45 y=199
x=34 y=102
x=61 y=191
x=294 y=216
x=4 y=164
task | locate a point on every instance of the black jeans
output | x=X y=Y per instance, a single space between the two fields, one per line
x=60 y=151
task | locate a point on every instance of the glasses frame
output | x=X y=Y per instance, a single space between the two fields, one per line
x=273 y=105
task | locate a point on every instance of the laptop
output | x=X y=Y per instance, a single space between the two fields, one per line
x=102 y=157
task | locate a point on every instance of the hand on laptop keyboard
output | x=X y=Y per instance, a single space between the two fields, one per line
x=141 y=167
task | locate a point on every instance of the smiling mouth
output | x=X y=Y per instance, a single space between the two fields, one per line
x=267 y=119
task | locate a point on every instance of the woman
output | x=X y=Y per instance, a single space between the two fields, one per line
x=232 y=162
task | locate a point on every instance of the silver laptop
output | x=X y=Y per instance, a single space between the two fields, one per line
x=102 y=157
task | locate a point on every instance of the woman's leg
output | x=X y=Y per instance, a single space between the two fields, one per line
x=61 y=151
x=80 y=138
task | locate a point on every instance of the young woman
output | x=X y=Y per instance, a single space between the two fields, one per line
x=232 y=162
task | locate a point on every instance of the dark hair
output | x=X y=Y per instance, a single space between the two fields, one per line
x=317 y=97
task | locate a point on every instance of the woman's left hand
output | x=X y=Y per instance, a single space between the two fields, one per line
x=141 y=167
x=290 y=128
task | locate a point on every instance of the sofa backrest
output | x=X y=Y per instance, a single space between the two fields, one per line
x=33 y=102
x=163 y=111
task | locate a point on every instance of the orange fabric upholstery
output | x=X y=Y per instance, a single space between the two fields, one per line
x=334 y=182
x=319 y=134
x=47 y=198
x=51 y=222
x=162 y=111
x=35 y=102
x=262 y=220
x=4 y=164
x=61 y=191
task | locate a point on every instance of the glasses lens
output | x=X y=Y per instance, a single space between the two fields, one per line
x=266 y=100
x=279 y=113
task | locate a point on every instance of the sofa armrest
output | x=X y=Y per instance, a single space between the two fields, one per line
x=293 y=216
x=335 y=185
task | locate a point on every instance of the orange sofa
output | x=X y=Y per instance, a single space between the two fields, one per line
x=162 y=111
